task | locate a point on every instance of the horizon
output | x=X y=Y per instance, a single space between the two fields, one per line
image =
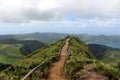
x=59 y=33
x=73 y=17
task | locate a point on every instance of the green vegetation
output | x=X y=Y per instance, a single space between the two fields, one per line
x=6 y=60
x=22 y=67
x=79 y=66
x=8 y=49
x=9 y=53
x=49 y=38
x=81 y=62
x=3 y=66
x=106 y=54
x=12 y=50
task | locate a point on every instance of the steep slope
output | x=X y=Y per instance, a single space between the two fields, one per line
x=22 y=67
x=56 y=71
x=106 y=54
x=79 y=64
x=3 y=66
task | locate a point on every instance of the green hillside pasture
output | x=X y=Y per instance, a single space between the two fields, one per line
x=7 y=60
x=23 y=66
x=10 y=50
x=9 y=54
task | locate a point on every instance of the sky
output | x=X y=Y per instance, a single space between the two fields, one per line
x=61 y=16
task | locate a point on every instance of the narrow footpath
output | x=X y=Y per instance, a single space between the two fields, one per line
x=56 y=70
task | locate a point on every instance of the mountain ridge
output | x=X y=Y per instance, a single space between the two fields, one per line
x=80 y=64
x=109 y=40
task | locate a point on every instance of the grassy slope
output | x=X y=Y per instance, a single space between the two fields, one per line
x=80 y=56
x=9 y=53
x=7 y=60
x=22 y=67
x=106 y=54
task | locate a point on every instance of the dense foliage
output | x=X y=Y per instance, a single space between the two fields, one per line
x=81 y=62
x=3 y=66
x=22 y=67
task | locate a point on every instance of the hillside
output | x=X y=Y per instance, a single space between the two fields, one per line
x=3 y=66
x=48 y=38
x=9 y=53
x=43 y=37
x=73 y=57
x=106 y=54
x=12 y=50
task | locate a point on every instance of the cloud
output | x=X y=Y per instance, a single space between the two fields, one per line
x=19 y=11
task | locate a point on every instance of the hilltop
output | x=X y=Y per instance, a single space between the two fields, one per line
x=79 y=64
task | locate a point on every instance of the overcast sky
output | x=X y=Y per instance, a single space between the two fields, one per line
x=62 y=16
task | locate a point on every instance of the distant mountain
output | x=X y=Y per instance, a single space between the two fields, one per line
x=43 y=37
x=106 y=54
x=79 y=65
x=48 y=38
x=112 y=41
x=12 y=50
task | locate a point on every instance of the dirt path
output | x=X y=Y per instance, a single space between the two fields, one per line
x=89 y=74
x=56 y=70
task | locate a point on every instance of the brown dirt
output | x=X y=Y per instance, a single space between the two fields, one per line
x=90 y=74
x=56 y=70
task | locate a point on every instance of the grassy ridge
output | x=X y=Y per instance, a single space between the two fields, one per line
x=22 y=67
x=80 y=57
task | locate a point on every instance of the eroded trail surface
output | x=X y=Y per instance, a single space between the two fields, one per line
x=56 y=70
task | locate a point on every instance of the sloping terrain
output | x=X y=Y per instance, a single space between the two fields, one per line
x=12 y=50
x=79 y=64
x=22 y=67
x=106 y=54
x=82 y=65
x=3 y=66
x=49 y=38
x=9 y=53
x=56 y=71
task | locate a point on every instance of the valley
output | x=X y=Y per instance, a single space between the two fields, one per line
x=12 y=50
x=62 y=62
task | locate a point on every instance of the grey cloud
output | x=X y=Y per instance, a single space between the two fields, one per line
x=33 y=14
x=26 y=11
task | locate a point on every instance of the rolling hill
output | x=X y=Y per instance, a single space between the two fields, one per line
x=48 y=38
x=106 y=54
x=9 y=53
x=78 y=64
x=11 y=50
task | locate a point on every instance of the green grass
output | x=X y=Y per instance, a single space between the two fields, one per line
x=81 y=56
x=9 y=53
x=23 y=66
x=106 y=54
x=10 y=49
x=7 y=60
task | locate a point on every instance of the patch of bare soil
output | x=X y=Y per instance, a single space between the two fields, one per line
x=90 y=74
